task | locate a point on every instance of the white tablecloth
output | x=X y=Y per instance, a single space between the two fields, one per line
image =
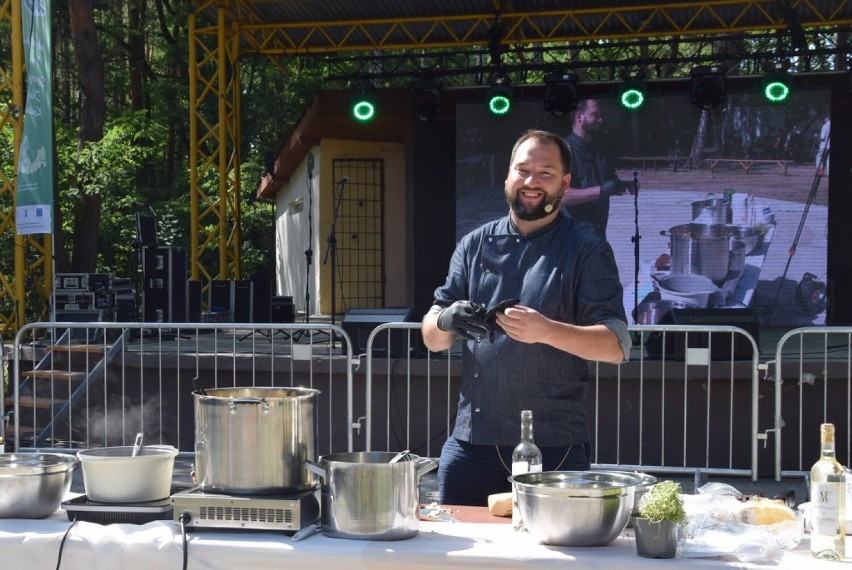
x=440 y=545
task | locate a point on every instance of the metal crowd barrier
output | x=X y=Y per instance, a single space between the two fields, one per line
x=817 y=362
x=690 y=400
x=81 y=385
x=680 y=410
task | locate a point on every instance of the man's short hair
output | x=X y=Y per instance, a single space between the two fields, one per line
x=546 y=137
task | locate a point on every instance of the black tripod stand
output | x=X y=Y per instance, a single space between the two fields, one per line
x=331 y=248
x=820 y=174
x=635 y=239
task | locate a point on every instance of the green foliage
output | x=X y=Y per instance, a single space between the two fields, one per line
x=663 y=502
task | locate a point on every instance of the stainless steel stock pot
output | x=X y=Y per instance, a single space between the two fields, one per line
x=366 y=496
x=255 y=440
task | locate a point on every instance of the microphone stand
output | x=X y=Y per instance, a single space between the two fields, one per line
x=331 y=247
x=635 y=239
x=309 y=253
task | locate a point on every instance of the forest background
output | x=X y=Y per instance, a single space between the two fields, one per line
x=121 y=115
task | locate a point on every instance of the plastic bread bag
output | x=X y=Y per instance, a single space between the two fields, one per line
x=748 y=529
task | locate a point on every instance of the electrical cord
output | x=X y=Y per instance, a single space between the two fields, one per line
x=184 y=519
x=62 y=543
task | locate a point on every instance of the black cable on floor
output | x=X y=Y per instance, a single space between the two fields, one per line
x=62 y=543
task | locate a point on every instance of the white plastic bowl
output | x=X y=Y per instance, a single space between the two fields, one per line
x=112 y=475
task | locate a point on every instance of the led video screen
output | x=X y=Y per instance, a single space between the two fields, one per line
x=743 y=174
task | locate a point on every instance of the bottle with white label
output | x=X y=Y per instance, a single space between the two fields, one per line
x=828 y=501
x=526 y=458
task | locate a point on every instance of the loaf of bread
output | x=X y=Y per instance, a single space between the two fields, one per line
x=500 y=504
x=762 y=511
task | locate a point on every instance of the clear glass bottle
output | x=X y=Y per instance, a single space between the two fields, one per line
x=828 y=501
x=526 y=458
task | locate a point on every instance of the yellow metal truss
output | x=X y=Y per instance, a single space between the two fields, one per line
x=462 y=27
x=33 y=271
x=214 y=157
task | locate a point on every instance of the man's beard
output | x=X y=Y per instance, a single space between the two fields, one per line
x=541 y=210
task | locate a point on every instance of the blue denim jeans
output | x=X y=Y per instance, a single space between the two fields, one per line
x=469 y=473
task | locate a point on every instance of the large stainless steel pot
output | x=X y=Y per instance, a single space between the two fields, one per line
x=701 y=249
x=364 y=496
x=255 y=440
x=712 y=210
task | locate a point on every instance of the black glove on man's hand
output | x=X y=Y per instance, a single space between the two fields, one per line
x=491 y=315
x=613 y=188
x=464 y=319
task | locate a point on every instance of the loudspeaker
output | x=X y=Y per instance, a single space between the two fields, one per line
x=261 y=301
x=243 y=293
x=164 y=284
x=193 y=301
x=146 y=230
x=720 y=347
x=221 y=296
x=359 y=323
x=282 y=310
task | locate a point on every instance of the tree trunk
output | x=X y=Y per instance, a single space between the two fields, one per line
x=90 y=67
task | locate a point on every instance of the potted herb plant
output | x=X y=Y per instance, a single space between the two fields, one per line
x=660 y=514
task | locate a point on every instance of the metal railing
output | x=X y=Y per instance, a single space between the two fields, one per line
x=659 y=413
x=819 y=360
x=690 y=400
x=148 y=385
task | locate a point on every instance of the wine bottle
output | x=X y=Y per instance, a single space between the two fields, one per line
x=828 y=501
x=526 y=458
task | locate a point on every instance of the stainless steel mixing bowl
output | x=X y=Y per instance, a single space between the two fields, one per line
x=32 y=485
x=576 y=508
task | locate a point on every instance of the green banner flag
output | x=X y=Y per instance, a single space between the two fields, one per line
x=34 y=208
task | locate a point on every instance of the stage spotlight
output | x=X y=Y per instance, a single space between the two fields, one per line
x=426 y=98
x=708 y=87
x=631 y=93
x=560 y=94
x=776 y=86
x=363 y=106
x=499 y=97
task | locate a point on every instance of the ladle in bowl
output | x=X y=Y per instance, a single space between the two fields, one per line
x=137 y=445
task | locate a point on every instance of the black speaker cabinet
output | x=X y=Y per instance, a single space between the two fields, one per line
x=673 y=348
x=359 y=323
x=221 y=296
x=282 y=310
x=146 y=230
x=261 y=309
x=243 y=298
x=164 y=284
x=193 y=301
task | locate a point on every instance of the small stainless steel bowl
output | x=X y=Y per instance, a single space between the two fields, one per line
x=576 y=508
x=32 y=485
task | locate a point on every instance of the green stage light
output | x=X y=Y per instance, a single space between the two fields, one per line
x=776 y=87
x=363 y=106
x=631 y=93
x=499 y=100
